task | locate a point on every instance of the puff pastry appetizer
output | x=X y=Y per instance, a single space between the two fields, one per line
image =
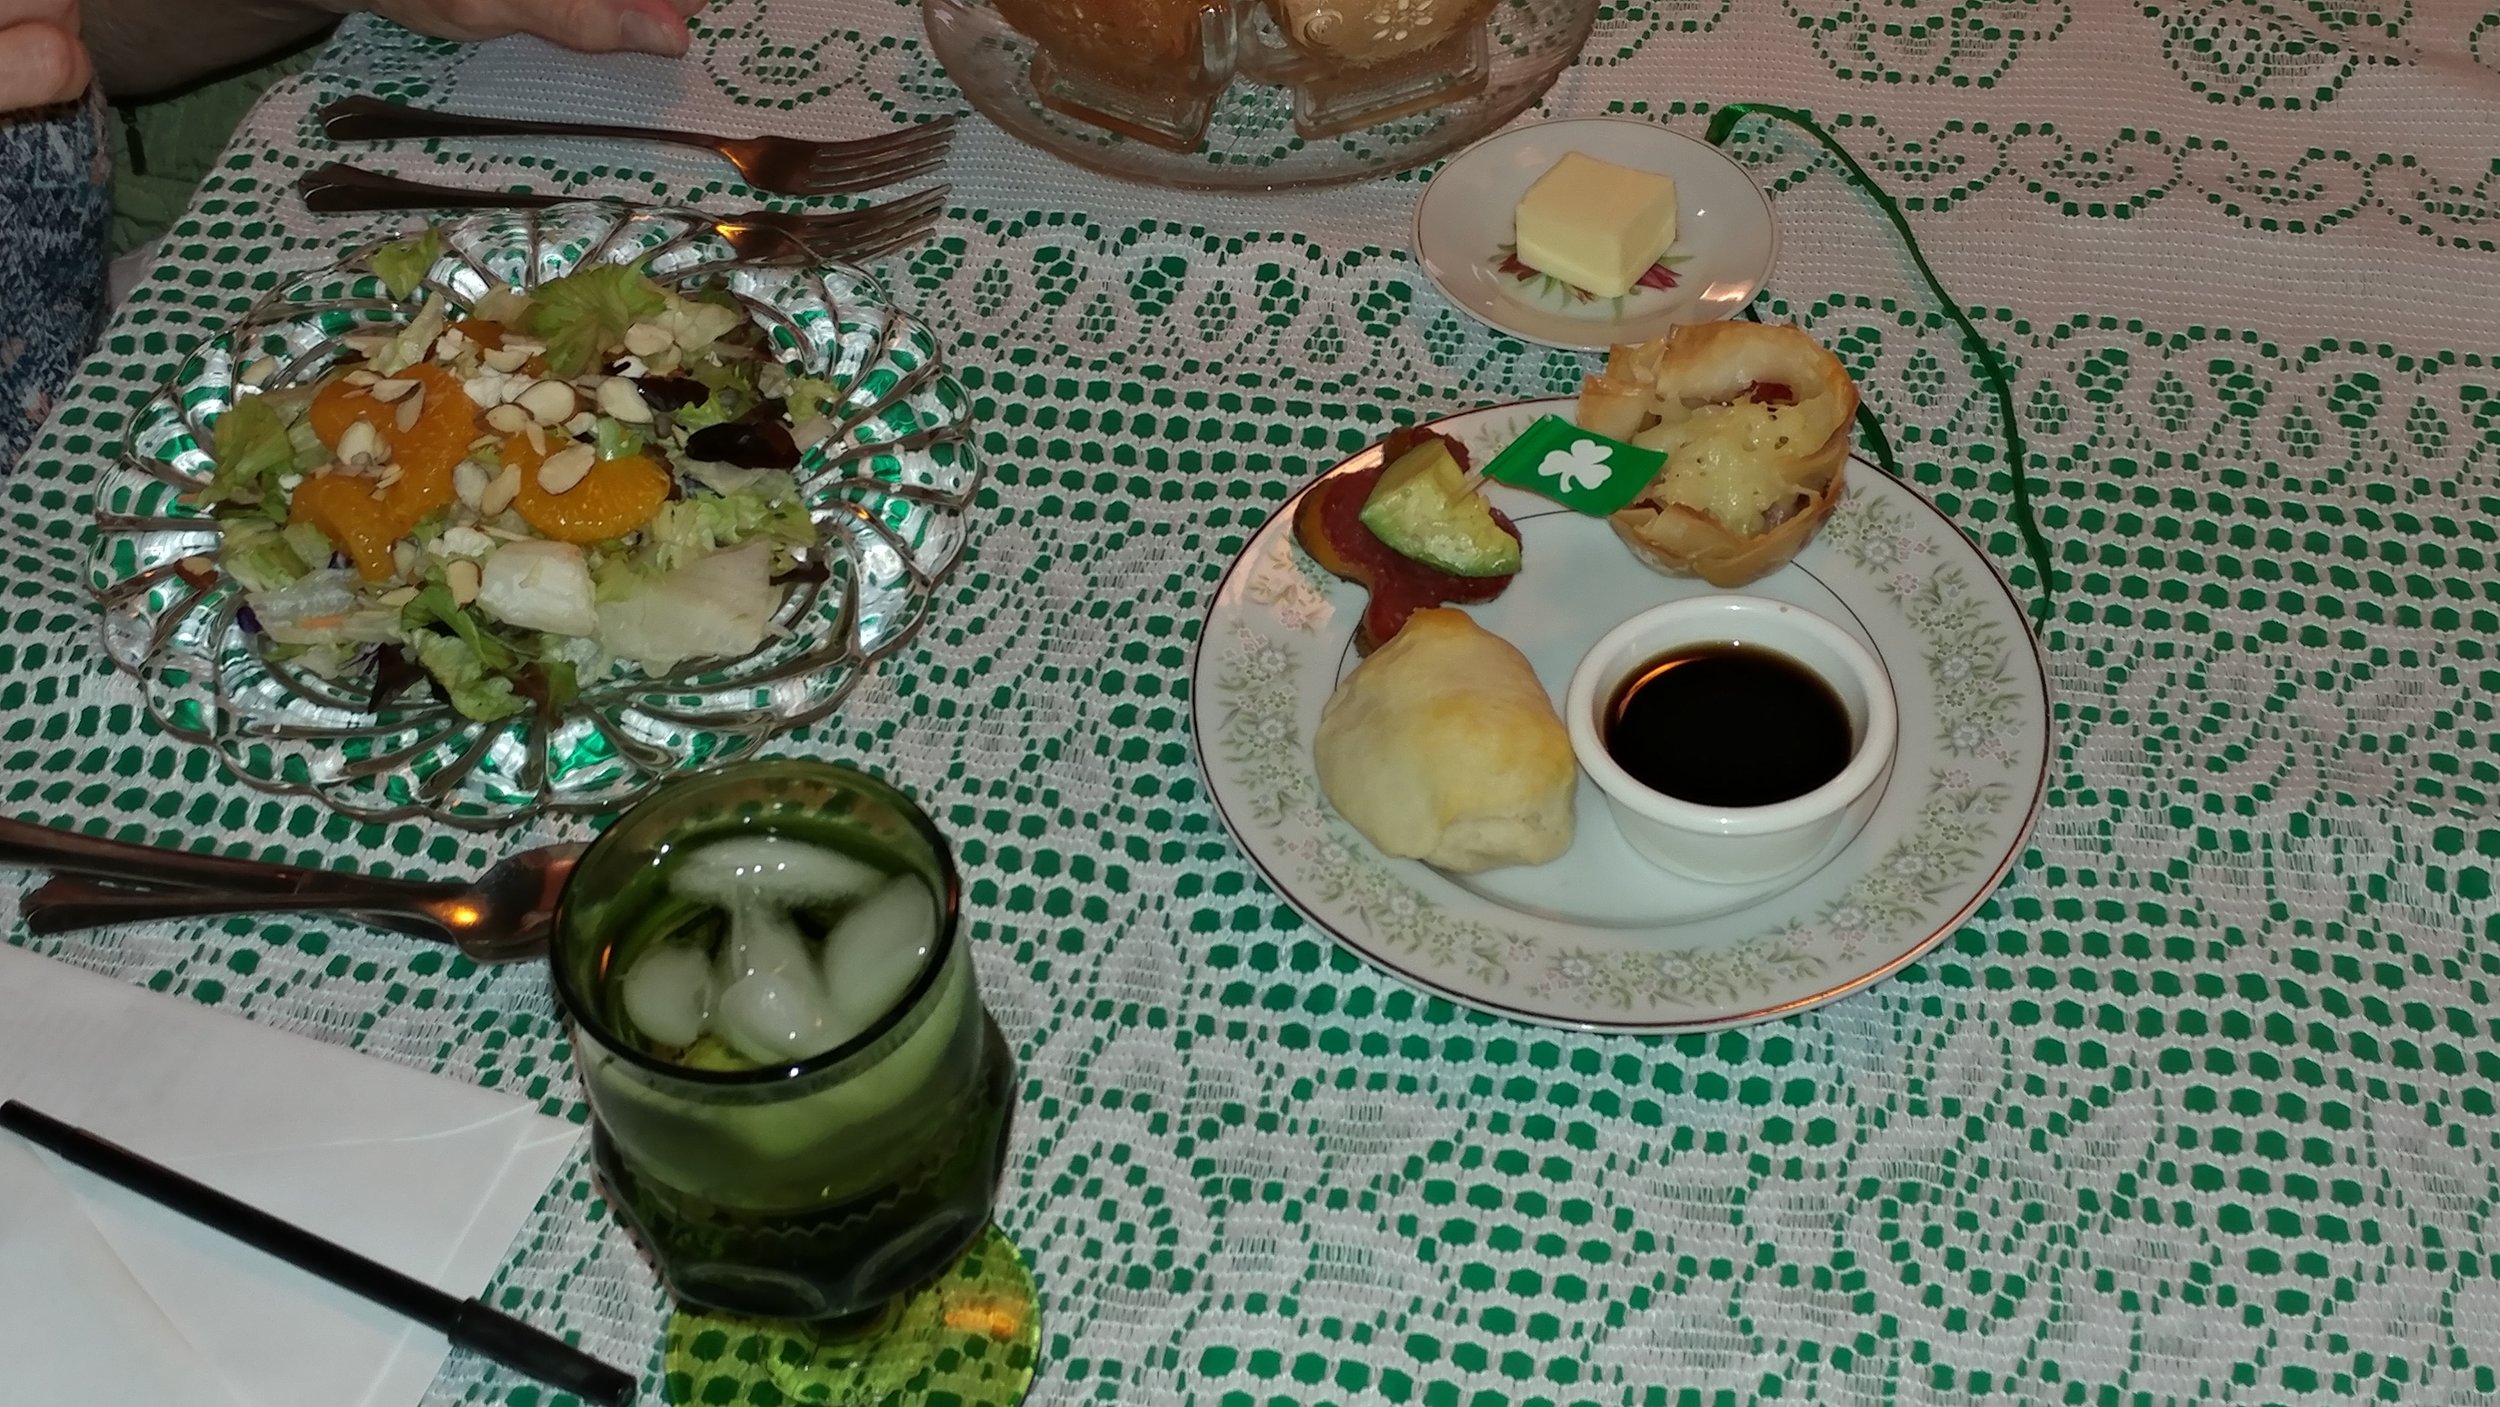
x=1443 y=747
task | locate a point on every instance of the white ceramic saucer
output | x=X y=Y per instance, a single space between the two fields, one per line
x=1724 y=245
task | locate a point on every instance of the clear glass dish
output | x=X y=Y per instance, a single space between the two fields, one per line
x=1248 y=94
x=887 y=490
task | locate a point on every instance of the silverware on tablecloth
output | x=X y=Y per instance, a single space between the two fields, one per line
x=789 y=165
x=504 y=915
x=764 y=236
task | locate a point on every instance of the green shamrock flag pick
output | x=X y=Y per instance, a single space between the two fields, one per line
x=1579 y=469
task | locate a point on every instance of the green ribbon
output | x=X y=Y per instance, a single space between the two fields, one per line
x=1984 y=352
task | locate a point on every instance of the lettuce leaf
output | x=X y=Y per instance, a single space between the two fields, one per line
x=691 y=528
x=414 y=341
x=250 y=446
x=470 y=688
x=259 y=556
x=402 y=263
x=720 y=604
x=614 y=439
x=433 y=606
x=587 y=311
x=733 y=393
x=809 y=396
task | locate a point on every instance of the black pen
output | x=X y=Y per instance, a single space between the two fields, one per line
x=469 y=1323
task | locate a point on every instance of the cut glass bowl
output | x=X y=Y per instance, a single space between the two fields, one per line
x=888 y=489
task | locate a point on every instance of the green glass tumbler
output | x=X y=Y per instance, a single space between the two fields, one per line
x=817 y=1188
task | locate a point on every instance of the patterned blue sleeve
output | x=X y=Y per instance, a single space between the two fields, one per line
x=55 y=202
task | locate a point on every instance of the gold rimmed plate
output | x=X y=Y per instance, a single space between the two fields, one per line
x=1599 y=939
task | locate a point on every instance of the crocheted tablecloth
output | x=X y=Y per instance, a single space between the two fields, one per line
x=2199 y=1108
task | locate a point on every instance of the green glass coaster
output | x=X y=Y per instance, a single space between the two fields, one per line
x=968 y=1339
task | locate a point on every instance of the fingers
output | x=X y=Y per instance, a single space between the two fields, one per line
x=593 y=26
x=41 y=63
x=599 y=26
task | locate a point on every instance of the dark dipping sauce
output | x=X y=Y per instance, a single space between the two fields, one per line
x=1728 y=725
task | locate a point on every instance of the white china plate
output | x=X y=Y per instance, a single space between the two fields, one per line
x=1599 y=939
x=1725 y=240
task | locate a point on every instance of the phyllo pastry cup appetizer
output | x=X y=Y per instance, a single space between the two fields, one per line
x=1754 y=419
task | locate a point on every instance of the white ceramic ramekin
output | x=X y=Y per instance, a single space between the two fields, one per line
x=1733 y=844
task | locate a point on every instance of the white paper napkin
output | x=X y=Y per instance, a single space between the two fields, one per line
x=105 y=1297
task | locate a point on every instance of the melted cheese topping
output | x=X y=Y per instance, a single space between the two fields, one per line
x=1732 y=462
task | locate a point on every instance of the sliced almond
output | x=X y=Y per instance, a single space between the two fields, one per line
x=622 y=400
x=399 y=596
x=406 y=556
x=360 y=441
x=508 y=419
x=468 y=482
x=484 y=441
x=258 y=370
x=484 y=389
x=537 y=438
x=390 y=388
x=507 y=357
x=410 y=412
x=581 y=424
x=500 y=491
x=525 y=346
x=549 y=402
x=461 y=540
x=450 y=345
x=647 y=339
x=361 y=377
x=566 y=467
x=391 y=474
x=461 y=575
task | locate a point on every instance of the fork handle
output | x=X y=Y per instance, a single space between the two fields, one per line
x=338 y=188
x=373 y=120
x=66 y=905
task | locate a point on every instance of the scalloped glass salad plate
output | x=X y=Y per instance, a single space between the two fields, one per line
x=887 y=490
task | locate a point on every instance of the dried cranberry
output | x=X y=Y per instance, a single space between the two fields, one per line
x=673 y=392
x=746 y=444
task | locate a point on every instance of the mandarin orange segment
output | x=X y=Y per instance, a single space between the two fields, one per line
x=426 y=450
x=614 y=498
x=347 y=513
x=352 y=511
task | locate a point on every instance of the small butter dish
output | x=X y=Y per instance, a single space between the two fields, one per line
x=1725 y=241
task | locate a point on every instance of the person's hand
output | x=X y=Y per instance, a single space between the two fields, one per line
x=594 y=26
x=41 y=60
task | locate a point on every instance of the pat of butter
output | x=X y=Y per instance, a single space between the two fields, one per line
x=1596 y=225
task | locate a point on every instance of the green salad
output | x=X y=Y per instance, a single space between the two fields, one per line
x=504 y=504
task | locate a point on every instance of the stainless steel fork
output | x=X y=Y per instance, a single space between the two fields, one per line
x=767 y=236
x=789 y=165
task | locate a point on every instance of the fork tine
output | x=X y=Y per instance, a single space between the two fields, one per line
x=864 y=177
x=860 y=234
x=869 y=216
x=929 y=137
x=908 y=222
x=914 y=135
x=901 y=238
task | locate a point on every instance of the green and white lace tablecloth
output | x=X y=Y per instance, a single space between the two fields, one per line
x=2198 y=1109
